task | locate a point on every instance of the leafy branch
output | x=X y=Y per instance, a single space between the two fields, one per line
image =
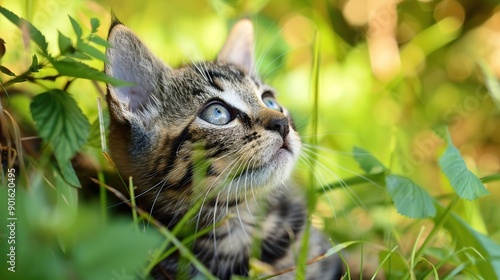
x=413 y=201
x=68 y=62
x=55 y=113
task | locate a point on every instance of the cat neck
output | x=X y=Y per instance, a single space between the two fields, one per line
x=252 y=209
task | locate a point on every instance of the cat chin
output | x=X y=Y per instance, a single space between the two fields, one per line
x=267 y=176
x=279 y=167
x=258 y=182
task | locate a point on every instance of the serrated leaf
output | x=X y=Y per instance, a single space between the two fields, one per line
x=72 y=68
x=68 y=173
x=76 y=27
x=79 y=55
x=34 y=34
x=6 y=71
x=409 y=198
x=34 y=67
x=367 y=161
x=465 y=183
x=60 y=122
x=95 y=23
x=89 y=50
x=99 y=41
x=64 y=43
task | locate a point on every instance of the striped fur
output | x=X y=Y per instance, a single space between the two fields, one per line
x=157 y=133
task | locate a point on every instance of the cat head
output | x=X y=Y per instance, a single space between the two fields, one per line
x=159 y=125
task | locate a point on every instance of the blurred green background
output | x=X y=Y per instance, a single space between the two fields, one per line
x=389 y=72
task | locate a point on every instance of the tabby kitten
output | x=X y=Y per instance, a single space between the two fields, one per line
x=249 y=150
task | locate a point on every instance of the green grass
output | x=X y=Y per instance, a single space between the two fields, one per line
x=354 y=194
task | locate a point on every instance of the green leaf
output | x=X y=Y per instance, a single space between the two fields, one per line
x=107 y=253
x=72 y=68
x=78 y=244
x=466 y=237
x=34 y=67
x=68 y=173
x=367 y=161
x=67 y=195
x=2 y=47
x=6 y=71
x=95 y=23
x=65 y=43
x=410 y=199
x=340 y=247
x=88 y=49
x=34 y=34
x=465 y=183
x=99 y=41
x=76 y=27
x=79 y=55
x=60 y=122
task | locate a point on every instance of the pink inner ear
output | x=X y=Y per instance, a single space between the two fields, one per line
x=130 y=60
x=137 y=97
x=239 y=46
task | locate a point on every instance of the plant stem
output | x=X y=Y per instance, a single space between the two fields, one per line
x=434 y=231
x=132 y=200
x=103 y=197
x=185 y=252
x=356 y=180
x=490 y=178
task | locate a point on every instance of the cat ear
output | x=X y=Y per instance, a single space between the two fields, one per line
x=130 y=60
x=239 y=46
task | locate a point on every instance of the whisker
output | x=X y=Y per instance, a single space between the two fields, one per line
x=352 y=195
x=363 y=176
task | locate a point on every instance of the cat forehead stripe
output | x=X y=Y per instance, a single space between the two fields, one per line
x=235 y=101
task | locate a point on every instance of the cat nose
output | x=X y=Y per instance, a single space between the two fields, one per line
x=279 y=124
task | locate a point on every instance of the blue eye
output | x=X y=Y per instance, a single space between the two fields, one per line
x=270 y=102
x=216 y=113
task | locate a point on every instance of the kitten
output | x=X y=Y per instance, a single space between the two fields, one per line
x=249 y=147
